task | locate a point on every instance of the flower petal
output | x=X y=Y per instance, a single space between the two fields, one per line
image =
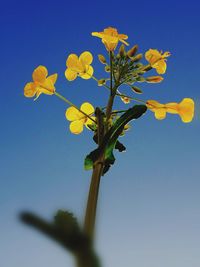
x=97 y=34
x=70 y=75
x=30 y=89
x=47 y=87
x=124 y=42
x=86 y=58
x=87 y=108
x=88 y=74
x=172 y=107
x=110 y=42
x=53 y=78
x=72 y=61
x=160 y=113
x=76 y=127
x=89 y=121
x=74 y=64
x=152 y=55
x=158 y=109
x=186 y=110
x=123 y=36
x=72 y=114
x=160 y=66
x=40 y=74
x=110 y=31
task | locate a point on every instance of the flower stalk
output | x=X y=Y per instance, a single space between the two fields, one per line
x=112 y=91
x=98 y=167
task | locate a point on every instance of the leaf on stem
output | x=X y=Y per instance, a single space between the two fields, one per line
x=110 y=139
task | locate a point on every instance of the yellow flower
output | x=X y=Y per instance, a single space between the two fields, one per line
x=185 y=109
x=41 y=83
x=79 y=66
x=78 y=119
x=157 y=60
x=110 y=38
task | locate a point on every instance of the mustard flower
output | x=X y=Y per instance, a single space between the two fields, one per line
x=78 y=119
x=41 y=83
x=185 y=109
x=157 y=60
x=110 y=38
x=79 y=66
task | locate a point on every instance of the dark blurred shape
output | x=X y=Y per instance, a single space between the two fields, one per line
x=65 y=230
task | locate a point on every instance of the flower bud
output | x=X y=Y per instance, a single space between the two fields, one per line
x=154 y=79
x=102 y=59
x=147 y=68
x=122 y=51
x=132 y=51
x=136 y=58
x=101 y=82
x=140 y=79
x=125 y=99
x=141 y=72
x=136 y=90
x=138 y=65
x=107 y=68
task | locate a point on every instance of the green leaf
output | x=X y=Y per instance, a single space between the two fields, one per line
x=119 y=146
x=66 y=231
x=88 y=163
x=110 y=139
x=66 y=222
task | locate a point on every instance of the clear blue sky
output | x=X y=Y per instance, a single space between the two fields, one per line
x=148 y=214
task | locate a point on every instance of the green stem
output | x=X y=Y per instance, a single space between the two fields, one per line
x=90 y=214
x=131 y=98
x=98 y=167
x=112 y=92
x=71 y=104
x=104 y=85
x=119 y=94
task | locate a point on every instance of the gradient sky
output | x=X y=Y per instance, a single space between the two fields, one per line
x=149 y=205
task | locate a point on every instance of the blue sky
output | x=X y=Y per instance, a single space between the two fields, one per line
x=148 y=213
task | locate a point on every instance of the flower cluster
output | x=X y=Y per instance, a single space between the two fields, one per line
x=123 y=68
